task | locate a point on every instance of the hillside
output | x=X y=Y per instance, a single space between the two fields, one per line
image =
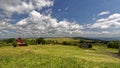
x=57 y=56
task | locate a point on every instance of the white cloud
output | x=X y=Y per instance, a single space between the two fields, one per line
x=66 y=8
x=41 y=24
x=59 y=10
x=22 y=6
x=48 y=12
x=37 y=24
x=113 y=21
x=103 y=13
x=105 y=32
x=6 y=26
x=104 y=27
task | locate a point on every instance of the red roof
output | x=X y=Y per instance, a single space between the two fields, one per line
x=20 y=41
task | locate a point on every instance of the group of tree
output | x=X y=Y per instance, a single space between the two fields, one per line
x=6 y=42
x=112 y=44
x=36 y=41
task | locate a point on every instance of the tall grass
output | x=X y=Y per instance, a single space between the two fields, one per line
x=55 y=56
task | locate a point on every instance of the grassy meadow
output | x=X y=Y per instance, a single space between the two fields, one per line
x=60 y=40
x=55 y=56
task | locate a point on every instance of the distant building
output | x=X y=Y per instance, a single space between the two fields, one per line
x=20 y=42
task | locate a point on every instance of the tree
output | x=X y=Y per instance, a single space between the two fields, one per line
x=10 y=40
x=14 y=43
x=112 y=44
x=40 y=41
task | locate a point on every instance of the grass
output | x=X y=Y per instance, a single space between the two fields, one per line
x=104 y=47
x=55 y=56
x=60 y=40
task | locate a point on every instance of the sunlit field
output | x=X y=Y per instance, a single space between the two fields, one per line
x=56 y=56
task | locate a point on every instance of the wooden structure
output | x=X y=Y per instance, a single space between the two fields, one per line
x=85 y=45
x=20 y=42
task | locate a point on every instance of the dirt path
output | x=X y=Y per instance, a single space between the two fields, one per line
x=110 y=53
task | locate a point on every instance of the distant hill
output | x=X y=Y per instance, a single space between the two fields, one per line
x=88 y=39
x=98 y=38
x=111 y=38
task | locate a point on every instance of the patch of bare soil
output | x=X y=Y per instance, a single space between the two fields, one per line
x=116 y=55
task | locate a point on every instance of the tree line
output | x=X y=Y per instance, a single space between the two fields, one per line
x=42 y=41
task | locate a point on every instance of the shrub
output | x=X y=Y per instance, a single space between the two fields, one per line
x=14 y=43
x=40 y=41
x=65 y=43
x=26 y=43
x=112 y=44
x=9 y=40
x=71 y=43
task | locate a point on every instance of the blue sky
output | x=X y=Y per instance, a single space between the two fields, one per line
x=53 y=18
x=83 y=11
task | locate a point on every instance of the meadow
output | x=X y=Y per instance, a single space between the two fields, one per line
x=57 y=56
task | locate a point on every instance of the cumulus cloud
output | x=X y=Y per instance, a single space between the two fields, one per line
x=43 y=24
x=36 y=23
x=113 y=21
x=23 y=6
x=105 y=27
x=66 y=8
x=105 y=32
x=6 y=26
x=103 y=13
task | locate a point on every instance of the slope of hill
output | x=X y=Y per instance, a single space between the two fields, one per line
x=56 y=56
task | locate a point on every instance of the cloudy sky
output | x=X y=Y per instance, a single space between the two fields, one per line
x=59 y=18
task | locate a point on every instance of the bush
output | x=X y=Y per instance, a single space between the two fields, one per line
x=71 y=43
x=65 y=43
x=9 y=40
x=40 y=41
x=14 y=43
x=26 y=42
x=112 y=44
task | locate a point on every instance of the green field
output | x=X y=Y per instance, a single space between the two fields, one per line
x=60 y=40
x=56 y=56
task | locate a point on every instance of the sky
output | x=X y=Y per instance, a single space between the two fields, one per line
x=59 y=18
